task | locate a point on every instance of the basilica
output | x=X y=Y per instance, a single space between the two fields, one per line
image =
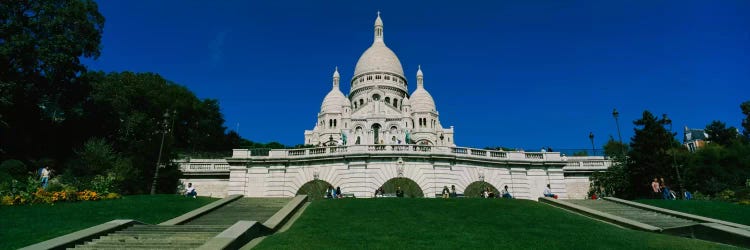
x=379 y=137
x=379 y=108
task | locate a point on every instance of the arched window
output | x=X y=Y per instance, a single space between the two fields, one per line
x=358 y=130
x=394 y=129
x=334 y=123
x=395 y=103
x=346 y=125
x=388 y=100
x=361 y=102
x=330 y=123
x=375 y=97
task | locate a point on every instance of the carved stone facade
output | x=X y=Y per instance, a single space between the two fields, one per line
x=379 y=109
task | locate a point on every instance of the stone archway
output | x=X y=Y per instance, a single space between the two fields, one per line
x=411 y=189
x=315 y=190
x=476 y=188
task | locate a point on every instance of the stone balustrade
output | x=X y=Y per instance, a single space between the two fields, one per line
x=586 y=163
x=572 y=163
x=203 y=165
x=401 y=149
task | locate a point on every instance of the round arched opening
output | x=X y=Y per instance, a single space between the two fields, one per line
x=411 y=189
x=476 y=189
x=315 y=190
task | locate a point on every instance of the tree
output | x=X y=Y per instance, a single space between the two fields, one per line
x=651 y=154
x=719 y=133
x=745 y=107
x=41 y=43
x=615 y=150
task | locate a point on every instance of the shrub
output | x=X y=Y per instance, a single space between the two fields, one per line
x=700 y=196
x=727 y=195
x=112 y=196
x=103 y=184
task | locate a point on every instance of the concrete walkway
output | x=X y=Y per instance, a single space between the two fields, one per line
x=659 y=220
x=226 y=224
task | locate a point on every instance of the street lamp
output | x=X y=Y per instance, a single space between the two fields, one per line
x=161 y=147
x=674 y=157
x=616 y=114
x=591 y=137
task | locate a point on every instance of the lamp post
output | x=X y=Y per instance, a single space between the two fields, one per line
x=591 y=137
x=616 y=115
x=161 y=147
x=674 y=157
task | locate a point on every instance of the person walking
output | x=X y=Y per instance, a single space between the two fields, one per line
x=656 y=190
x=45 y=176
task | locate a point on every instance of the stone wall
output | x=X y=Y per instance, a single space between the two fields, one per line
x=577 y=186
x=363 y=178
x=212 y=186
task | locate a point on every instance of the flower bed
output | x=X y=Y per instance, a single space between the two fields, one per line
x=42 y=196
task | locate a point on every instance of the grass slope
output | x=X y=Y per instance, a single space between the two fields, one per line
x=24 y=225
x=459 y=224
x=713 y=209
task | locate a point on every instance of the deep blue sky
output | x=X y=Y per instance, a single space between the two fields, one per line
x=517 y=74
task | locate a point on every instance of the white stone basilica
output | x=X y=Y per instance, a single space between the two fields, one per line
x=379 y=109
x=380 y=134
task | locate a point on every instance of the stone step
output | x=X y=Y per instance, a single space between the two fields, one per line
x=140 y=244
x=138 y=247
x=119 y=235
x=644 y=216
x=151 y=240
x=251 y=209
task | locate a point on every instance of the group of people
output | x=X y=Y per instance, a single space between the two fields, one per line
x=504 y=193
x=380 y=192
x=449 y=193
x=333 y=193
x=659 y=188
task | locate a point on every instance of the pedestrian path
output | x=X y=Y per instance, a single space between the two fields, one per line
x=195 y=233
x=656 y=219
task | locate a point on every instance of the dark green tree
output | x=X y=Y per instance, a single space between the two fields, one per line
x=616 y=150
x=41 y=43
x=745 y=107
x=719 y=133
x=651 y=152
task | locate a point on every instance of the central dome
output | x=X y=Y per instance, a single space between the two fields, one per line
x=378 y=58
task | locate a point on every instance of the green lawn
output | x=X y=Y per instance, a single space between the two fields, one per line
x=460 y=224
x=713 y=209
x=24 y=225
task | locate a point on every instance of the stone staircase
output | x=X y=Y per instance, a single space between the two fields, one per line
x=656 y=219
x=155 y=237
x=194 y=233
x=249 y=209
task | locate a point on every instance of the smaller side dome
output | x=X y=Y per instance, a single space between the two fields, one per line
x=335 y=101
x=421 y=100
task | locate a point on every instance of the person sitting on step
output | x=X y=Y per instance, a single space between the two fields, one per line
x=548 y=192
x=505 y=193
x=190 y=191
